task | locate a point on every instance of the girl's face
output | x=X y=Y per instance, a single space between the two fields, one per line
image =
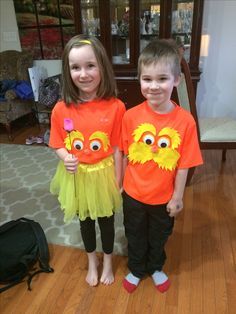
x=157 y=82
x=84 y=71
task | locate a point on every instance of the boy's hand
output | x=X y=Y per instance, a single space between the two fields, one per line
x=71 y=163
x=174 y=207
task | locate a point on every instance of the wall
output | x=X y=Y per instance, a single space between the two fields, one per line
x=216 y=94
x=8 y=27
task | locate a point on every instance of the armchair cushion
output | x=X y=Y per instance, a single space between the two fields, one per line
x=217 y=129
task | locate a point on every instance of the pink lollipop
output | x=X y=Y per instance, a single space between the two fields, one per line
x=68 y=125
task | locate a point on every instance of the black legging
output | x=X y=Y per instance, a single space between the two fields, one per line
x=88 y=233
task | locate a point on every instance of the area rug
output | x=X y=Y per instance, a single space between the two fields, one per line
x=25 y=174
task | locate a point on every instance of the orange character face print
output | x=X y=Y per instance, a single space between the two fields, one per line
x=97 y=143
x=160 y=147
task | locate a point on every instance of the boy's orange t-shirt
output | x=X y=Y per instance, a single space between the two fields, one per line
x=96 y=128
x=156 y=146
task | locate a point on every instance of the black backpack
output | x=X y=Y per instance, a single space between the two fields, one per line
x=23 y=252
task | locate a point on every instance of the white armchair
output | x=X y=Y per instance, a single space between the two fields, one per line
x=214 y=133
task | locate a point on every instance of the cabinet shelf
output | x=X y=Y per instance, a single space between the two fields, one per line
x=126 y=27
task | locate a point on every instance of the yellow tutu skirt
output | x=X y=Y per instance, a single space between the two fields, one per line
x=91 y=192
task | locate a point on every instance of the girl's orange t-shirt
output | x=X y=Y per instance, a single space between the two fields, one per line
x=96 y=128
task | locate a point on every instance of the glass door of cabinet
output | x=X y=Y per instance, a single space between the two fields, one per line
x=90 y=17
x=181 y=26
x=120 y=31
x=149 y=21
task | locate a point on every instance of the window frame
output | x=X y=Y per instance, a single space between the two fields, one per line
x=39 y=28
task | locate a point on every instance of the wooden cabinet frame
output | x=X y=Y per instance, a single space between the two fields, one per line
x=129 y=71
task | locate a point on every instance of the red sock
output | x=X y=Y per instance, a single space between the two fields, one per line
x=164 y=286
x=129 y=287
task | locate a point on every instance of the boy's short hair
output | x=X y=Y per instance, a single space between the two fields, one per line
x=107 y=87
x=161 y=50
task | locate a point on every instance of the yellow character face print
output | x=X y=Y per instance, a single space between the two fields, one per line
x=160 y=147
x=97 y=143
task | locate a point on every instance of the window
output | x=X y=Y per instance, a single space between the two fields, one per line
x=45 y=26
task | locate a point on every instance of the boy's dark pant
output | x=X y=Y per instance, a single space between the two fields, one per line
x=88 y=233
x=147 y=228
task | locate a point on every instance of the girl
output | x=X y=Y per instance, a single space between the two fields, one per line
x=85 y=131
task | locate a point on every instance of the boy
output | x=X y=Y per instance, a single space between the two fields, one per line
x=160 y=141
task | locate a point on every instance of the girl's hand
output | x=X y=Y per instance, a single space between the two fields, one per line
x=71 y=163
x=174 y=207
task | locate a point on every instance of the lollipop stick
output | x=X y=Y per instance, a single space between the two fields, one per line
x=74 y=173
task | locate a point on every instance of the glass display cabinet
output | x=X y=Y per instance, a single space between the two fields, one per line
x=125 y=27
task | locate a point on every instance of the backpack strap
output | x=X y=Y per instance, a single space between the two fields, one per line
x=30 y=277
x=43 y=251
x=42 y=244
x=11 y=285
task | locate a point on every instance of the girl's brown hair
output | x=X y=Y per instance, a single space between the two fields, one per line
x=161 y=50
x=107 y=87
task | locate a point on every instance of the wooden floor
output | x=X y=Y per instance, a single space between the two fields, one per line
x=201 y=260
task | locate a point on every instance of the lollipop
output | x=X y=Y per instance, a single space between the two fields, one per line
x=68 y=125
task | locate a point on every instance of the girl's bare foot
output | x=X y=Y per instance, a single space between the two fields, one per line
x=107 y=277
x=92 y=275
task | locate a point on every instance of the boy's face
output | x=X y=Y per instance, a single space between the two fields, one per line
x=157 y=82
